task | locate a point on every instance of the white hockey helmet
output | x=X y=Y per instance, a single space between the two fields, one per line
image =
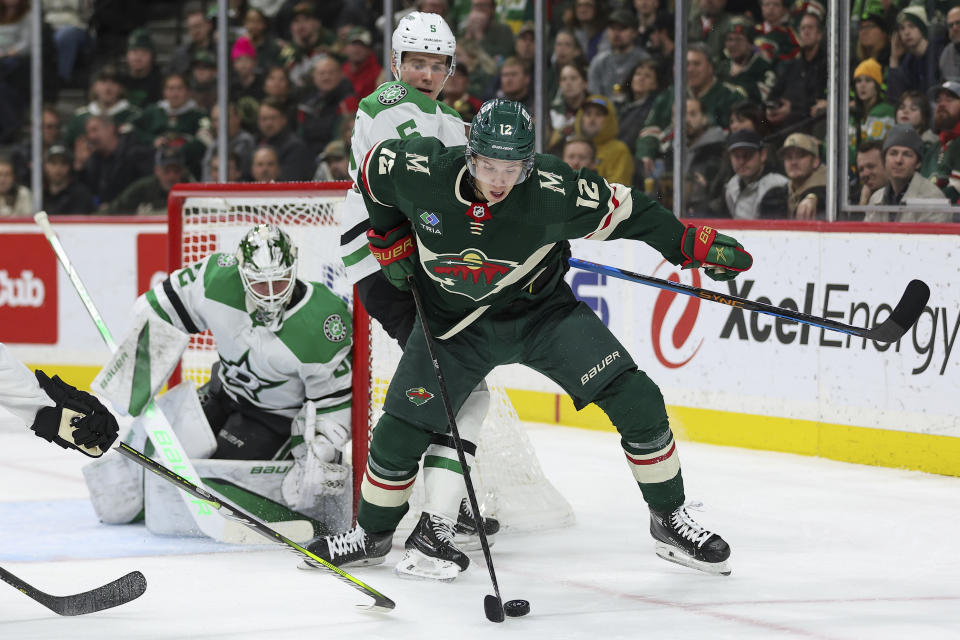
x=424 y=32
x=267 y=260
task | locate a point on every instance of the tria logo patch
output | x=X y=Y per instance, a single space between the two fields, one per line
x=430 y=223
x=469 y=273
x=419 y=396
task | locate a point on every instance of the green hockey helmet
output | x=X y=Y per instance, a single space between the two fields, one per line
x=502 y=130
x=267 y=261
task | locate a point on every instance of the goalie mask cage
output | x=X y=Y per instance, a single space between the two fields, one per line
x=207 y=218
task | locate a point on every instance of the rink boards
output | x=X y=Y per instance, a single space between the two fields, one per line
x=728 y=376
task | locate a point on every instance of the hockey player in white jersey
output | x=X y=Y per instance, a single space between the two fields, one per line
x=55 y=411
x=283 y=380
x=423 y=58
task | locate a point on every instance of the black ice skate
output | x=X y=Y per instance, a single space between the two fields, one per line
x=680 y=539
x=431 y=552
x=353 y=548
x=466 y=528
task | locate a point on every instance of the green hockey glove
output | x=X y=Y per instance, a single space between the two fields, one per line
x=395 y=251
x=721 y=257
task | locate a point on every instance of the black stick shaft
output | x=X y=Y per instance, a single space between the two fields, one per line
x=455 y=433
x=903 y=317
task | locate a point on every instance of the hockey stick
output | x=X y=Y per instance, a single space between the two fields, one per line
x=903 y=316
x=158 y=429
x=492 y=605
x=227 y=510
x=120 y=591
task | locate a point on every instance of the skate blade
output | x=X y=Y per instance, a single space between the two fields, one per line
x=468 y=542
x=672 y=554
x=366 y=562
x=414 y=565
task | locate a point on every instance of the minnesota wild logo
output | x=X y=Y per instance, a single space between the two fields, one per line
x=392 y=94
x=469 y=273
x=419 y=396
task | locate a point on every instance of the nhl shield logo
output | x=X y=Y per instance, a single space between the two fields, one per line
x=479 y=212
x=418 y=396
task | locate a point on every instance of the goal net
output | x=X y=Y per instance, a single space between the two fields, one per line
x=207 y=218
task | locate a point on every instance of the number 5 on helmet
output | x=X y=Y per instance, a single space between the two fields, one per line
x=721 y=257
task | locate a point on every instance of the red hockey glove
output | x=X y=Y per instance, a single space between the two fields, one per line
x=395 y=251
x=721 y=257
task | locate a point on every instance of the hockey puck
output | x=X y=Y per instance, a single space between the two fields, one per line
x=516 y=608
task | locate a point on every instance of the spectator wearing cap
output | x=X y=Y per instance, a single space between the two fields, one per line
x=15 y=199
x=946 y=120
x=308 y=42
x=597 y=121
x=706 y=143
x=871 y=174
x=245 y=79
x=913 y=108
x=871 y=117
x=457 y=95
x=515 y=82
x=807 y=189
x=913 y=58
x=802 y=81
x=775 y=37
x=742 y=64
x=708 y=24
x=199 y=38
x=202 y=80
x=361 y=67
x=320 y=112
x=579 y=153
x=296 y=160
x=62 y=194
x=641 y=86
x=106 y=99
x=481 y=26
x=902 y=151
x=609 y=68
x=266 y=47
x=148 y=195
x=571 y=95
x=141 y=78
x=754 y=191
x=240 y=143
x=589 y=25
x=116 y=160
x=332 y=163
x=950 y=57
x=873 y=40
x=266 y=165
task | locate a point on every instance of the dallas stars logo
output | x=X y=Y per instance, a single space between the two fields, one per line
x=240 y=377
x=392 y=95
x=418 y=396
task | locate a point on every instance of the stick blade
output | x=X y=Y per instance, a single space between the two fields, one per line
x=904 y=315
x=493 y=608
x=120 y=591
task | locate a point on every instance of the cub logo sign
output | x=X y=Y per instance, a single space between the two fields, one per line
x=28 y=289
x=674 y=317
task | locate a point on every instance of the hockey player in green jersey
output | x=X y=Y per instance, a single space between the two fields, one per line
x=282 y=384
x=483 y=230
x=423 y=50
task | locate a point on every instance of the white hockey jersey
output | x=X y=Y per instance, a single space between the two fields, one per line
x=308 y=358
x=394 y=110
x=20 y=393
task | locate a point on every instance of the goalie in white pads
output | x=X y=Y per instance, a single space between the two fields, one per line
x=55 y=411
x=282 y=385
x=422 y=59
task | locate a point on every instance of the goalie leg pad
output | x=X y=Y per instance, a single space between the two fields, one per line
x=116 y=489
x=181 y=406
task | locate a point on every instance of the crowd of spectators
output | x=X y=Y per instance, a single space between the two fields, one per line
x=756 y=97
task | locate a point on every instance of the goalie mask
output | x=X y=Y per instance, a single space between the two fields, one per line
x=502 y=130
x=268 y=268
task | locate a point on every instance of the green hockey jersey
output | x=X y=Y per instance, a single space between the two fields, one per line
x=308 y=358
x=473 y=255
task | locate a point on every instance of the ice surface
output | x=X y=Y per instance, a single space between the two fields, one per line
x=821 y=549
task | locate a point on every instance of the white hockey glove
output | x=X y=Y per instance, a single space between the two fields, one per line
x=315 y=473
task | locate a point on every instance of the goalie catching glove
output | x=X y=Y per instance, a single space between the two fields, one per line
x=315 y=472
x=394 y=250
x=78 y=421
x=721 y=257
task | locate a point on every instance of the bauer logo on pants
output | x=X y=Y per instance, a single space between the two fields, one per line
x=419 y=396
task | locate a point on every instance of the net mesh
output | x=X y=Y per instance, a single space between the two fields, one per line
x=510 y=483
